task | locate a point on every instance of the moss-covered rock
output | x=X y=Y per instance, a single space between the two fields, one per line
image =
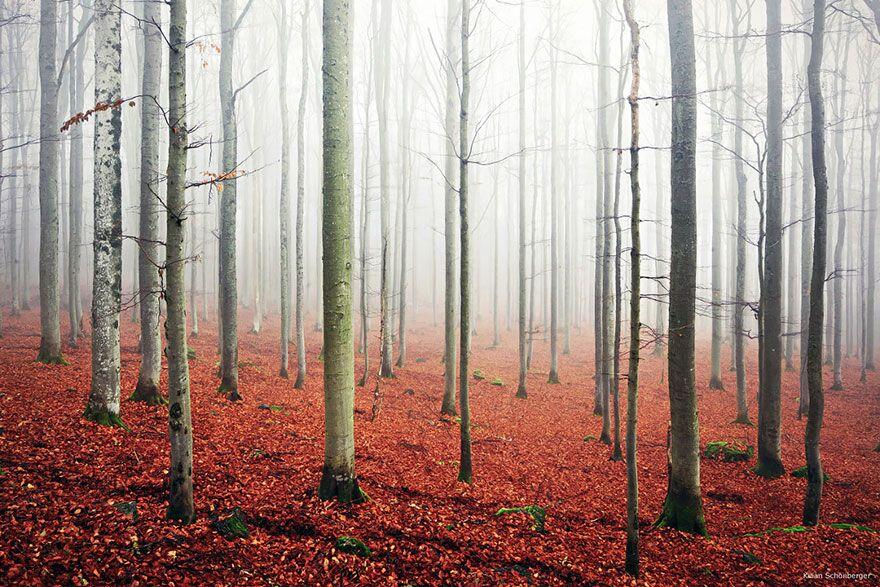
x=729 y=452
x=801 y=473
x=352 y=545
x=537 y=513
x=232 y=526
x=478 y=375
x=498 y=382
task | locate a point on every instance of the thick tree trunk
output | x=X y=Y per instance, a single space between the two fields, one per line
x=300 y=206
x=228 y=202
x=15 y=116
x=816 y=410
x=147 y=389
x=180 y=500
x=683 y=508
x=338 y=479
x=450 y=188
x=50 y=324
x=103 y=403
x=769 y=395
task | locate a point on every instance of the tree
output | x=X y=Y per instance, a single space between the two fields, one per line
x=382 y=99
x=284 y=193
x=180 y=500
x=806 y=242
x=300 y=205
x=816 y=410
x=554 y=221
x=147 y=389
x=632 y=386
x=683 y=508
x=608 y=317
x=338 y=479
x=50 y=325
x=769 y=395
x=451 y=184
x=739 y=343
x=103 y=403
x=228 y=202
x=521 y=206
x=465 y=469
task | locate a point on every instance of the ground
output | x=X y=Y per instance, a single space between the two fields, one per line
x=84 y=504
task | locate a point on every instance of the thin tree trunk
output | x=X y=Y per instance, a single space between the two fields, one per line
x=683 y=508
x=632 y=387
x=521 y=208
x=554 y=221
x=300 y=205
x=383 y=71
x=103 y=403
x=338 y=479
x=284 y=193
x=180 y=501
x=147 y=388
x=872 y=249
x=607 y=226
x=465 y=469
x=806 y=241
x=816 y=410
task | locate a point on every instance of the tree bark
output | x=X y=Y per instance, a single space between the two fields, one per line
x=521 y=207
x=683 y=508
x=816 y=409
x=300 y=206
x=103 y=403
x=147 y=388
x=284 y=192
x=50 y=324
x=228 y=203
x=451 y=186
x=386 y=368
x=338 y=479
x=180 y=500
x=769 y=395
x=554 y=220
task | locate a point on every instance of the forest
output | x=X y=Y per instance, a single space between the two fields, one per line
x=439 y=292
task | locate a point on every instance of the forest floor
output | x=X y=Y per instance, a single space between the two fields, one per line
x=83 y=504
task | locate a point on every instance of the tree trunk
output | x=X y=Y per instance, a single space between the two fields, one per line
x=228 y=203
x=632 y=386
x=607 y=226
x=451 y=185
x=147 y=389
x=180 y=501
x=382 y=97
x=103 y=403
x=683 y=508
x=872 y=249
x=50 y=324
x=300 y=205
x=521 y=207
x=769 y=396
x=284 y=192
x=338 y=479
x=817 y=280
x=554 y=221
x=717 y=322
x=465 y=470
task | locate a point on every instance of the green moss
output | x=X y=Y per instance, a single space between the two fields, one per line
x=846 y=526
x=352 y=545
x=684 y=513
x=271 y=408
x=104 y=418
x=232 y=526
x=497 y=382
x=47 y=359
x=729 y=452
x=478 y=375
x=747 y=557
x=538 y=514
x=190 y=353
x=589 y=438
x=128 y=508
x=787 y=530
x=801 y=473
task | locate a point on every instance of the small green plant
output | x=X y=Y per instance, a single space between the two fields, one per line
x=538 y=514
x=190 y=353
x=729 y=452
x=352 y=546
x=589 y=438
x=801 y=473
x=497 y=382
x=478 y=375
x=232 y=526
x=846 y=526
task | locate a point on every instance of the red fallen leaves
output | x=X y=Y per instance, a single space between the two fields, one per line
x=63 y=479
